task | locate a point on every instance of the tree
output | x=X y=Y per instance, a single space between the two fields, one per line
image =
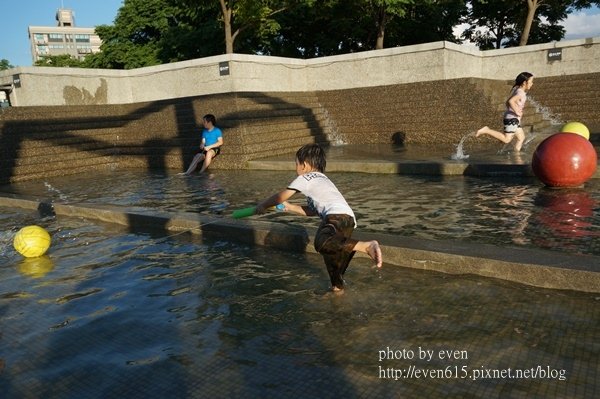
x=135 y=39
x=240 y=16
x=427 y=21
x=491 y=22
x=532 y=6
x=555 y=11
x=327 y=27
x=62 y=60
x=5 y=64
x=191 y=35
x=382 y=12
x=332 y=27
x=498 y=23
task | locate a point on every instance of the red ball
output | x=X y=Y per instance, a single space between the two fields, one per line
x=564 y=160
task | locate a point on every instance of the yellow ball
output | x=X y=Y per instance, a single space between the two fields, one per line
x=577 y=128
x=32 y=241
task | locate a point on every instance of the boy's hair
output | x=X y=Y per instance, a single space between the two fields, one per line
x=313 y=155
x=210 y=118
x=522 y=78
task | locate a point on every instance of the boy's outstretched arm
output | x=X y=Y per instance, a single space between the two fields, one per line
x=273 y=200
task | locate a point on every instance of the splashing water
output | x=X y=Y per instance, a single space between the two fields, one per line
x=335 y=137
x=547 y=114
x=55 y=191
x=6 y=239
x=459 y=154
x=507 y=148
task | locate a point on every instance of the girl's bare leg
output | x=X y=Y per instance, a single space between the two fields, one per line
x=520 y=135
x=503 y=137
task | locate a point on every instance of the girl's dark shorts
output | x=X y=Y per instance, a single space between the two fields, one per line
x=511 y=125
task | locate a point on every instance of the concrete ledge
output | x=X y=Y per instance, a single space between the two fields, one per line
x=409 y=167
x=526 y=266
x=406 y=167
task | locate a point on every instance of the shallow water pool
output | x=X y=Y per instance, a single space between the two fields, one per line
x=116 y=313
x=501 y=211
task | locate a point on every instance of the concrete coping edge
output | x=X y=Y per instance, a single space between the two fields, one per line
x=540 y=268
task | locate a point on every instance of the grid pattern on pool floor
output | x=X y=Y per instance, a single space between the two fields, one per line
x=436 y=336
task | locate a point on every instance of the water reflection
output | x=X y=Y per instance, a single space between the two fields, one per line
x=562 y=215
x=36 y=267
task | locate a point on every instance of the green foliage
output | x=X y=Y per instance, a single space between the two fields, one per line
x=63 y=60
x=499 y=23
x=192 y=33
x=327 y=28
x=425 y=22
x=151 y=32
x=344 y=26
x=137 y=37
x=5 y=64
x=244 y=24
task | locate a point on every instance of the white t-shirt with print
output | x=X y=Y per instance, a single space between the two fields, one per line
x=322 y=195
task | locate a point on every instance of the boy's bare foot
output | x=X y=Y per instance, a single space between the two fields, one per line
x=374 y=252
x=481 y=131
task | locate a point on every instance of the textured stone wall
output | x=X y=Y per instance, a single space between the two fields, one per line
x=571 y=98
x=59 y=140
x=434 y=114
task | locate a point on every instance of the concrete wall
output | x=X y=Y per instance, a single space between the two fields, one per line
x=252 y=73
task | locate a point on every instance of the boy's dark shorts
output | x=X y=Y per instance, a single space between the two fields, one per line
x=333 y=241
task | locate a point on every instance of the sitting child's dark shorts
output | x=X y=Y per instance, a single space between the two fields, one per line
x=217 y=151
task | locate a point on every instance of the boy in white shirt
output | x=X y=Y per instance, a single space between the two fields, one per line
x=333 y=239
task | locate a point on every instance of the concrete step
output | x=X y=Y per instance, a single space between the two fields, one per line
x=51 y=125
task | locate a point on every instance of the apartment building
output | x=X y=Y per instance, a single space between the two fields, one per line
x=65 y=38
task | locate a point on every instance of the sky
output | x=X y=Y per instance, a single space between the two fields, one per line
x=19 y=14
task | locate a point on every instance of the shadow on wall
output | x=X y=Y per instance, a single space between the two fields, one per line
x=75 y=96
x=52 y=141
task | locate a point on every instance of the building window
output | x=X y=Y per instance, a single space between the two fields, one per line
x=43 y=50
x=82 y=38
x=39 y=37
x=84 y=49
x=55 y=37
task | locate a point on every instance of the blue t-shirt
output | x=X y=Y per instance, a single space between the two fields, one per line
x=211 y=136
